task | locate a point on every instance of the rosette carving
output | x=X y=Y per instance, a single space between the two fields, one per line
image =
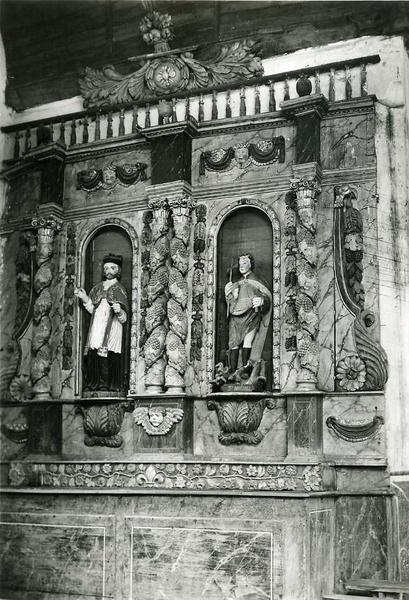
x=302 y=283
x=155 y=297
x=178 y=290
x=40 y=344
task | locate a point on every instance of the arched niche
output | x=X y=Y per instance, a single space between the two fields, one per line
x=249 y=226
x=109 y=237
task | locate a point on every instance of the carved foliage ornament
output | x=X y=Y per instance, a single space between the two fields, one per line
x=264 y=152
x=368 y=369
x=157 y=420
x=108 y=177
x=191 y=476
x=198 y=287
x=103 y=422
x=166 y=71
x=240 y=419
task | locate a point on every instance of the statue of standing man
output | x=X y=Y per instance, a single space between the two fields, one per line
x=108 y=304
x=249 y=304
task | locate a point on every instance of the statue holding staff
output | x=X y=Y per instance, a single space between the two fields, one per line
x=249 y=304
x=108 y=304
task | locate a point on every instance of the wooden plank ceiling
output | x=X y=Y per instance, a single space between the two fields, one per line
x=47 y=42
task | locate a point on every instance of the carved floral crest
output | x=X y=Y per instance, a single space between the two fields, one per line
x=168 y=71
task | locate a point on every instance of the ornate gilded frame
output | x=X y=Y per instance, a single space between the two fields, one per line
x=211 y=283
x=84 y=238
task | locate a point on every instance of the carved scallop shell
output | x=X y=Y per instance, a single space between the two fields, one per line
x=178 y=287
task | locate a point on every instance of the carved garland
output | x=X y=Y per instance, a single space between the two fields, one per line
x=290 y=271
x=306 y=190
x=368 y=370
x=84 y=237
x=69 y=298
x=198 y=287
x=354 y=433
x=107 y=178
x=146 y=243
x=157 y=297
x=264 y=152
x=211 y=285
x=178 y=290
x=197 y=476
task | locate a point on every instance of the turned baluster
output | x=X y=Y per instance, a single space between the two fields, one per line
x=286 y=89
x=174 y=114
x=331 y=90
x=363 y=86
x=110 y=130
x=187 y=109
x=16 y=153
x=271 y=98
x=348 y=84
x=201 y=108
x=243 y=109
x=121 y=127
x=147 y=116
x=27 y=141
x=97 y=135
x=85 y=135
x=214 y=106
x=61 y=139
x=317 y=83
x=257 y=104
x=134 y=126
x=73 y=136
x=228 y=107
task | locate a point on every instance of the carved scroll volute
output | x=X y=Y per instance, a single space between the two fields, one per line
x=157 y=294
x=306 y=190
x=178 y=289
x=40 y=345
x=368 y=368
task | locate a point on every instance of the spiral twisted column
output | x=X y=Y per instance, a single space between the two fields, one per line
x=156 y=324
x=46 y=227
x=181 y=208
x=306 y=190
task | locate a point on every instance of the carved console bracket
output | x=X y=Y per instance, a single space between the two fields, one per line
x=108 y=177
x=368 y=368
x=167 y=71
x=103 y=422
x=240 y=419
x=264 y=152
x=157 y=420
x=355 y=433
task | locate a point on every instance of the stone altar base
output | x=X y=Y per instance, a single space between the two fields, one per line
x=182 y=544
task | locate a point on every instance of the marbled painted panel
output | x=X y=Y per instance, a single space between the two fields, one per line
x=237 y=560
x=353 y=409
x=74 y=198
x=251 y=172
x=361 y=539
x=321 y=552
x=56 y=554
x=273 y=426
x=348 y=142
x=400 y=486
x=23 y=195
